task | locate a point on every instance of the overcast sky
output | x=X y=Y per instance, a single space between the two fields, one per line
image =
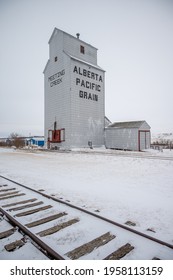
x=135 y=47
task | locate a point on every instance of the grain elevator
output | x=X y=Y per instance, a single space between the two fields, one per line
x=74 y=94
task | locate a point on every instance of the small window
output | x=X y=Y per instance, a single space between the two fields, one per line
x=82 y=49
x=56 y=58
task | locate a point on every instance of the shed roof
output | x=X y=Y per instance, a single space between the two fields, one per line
x=131 y=124
x=37 y=138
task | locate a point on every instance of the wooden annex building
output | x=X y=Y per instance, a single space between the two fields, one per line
x=134 y=135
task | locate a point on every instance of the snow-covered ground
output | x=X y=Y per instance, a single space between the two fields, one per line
x=119 y=187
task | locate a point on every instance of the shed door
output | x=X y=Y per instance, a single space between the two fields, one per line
x=143 y=139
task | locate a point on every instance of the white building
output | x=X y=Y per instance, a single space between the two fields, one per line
x=74 y=93
x=75 y=100
x=133 y=136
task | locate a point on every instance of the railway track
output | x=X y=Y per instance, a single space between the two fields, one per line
x=108 y=152
x=61 y=231
x=140 y=155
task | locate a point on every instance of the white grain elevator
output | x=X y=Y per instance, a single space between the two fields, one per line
x=74 y=94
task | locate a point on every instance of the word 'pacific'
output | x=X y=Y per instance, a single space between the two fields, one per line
x=87 y=84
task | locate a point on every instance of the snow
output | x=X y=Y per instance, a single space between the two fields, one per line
x=162 y=137
x=122 y=186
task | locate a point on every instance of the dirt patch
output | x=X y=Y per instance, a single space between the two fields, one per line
x=130 y=223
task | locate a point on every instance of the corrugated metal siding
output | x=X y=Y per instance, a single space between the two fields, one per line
x=145 y=126
x=72 y=46
x=148 y=140
x=56 y=45
x=126 y=138
x=83 y=119
x=121 y=138
x=57 y=101
x=87 y=115
x=144 y=140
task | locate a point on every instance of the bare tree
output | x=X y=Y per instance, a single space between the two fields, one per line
x=16 y=140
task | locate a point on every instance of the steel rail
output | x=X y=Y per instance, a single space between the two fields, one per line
x=95 y=215
x=45 y=247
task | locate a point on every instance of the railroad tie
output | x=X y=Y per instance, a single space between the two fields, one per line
x=7 y=190
x=3 y=186
x=120 y=253
x=33 y=211
x=14 y=245
x=90 y=246
x=11 y=196
x=25 y=206
x=7 y=233
x=45 y=220
x=57 y=228
x=19 y=202
x=10 y=193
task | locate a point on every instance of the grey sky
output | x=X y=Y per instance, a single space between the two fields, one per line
x=135 y=46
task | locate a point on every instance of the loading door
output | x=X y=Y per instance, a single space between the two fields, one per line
x=143 y=139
